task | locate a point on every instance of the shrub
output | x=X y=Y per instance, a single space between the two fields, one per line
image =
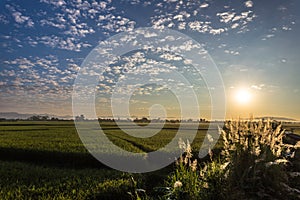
x=258 y=158
x=254 y=164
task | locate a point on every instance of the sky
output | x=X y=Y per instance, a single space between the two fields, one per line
x=254 y=44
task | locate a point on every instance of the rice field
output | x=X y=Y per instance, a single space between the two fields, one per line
x=47 y=160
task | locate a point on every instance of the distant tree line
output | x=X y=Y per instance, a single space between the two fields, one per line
x=35 y=118
x=79 y=118
x=146 y=120
x=42 y=118
x=83 y=118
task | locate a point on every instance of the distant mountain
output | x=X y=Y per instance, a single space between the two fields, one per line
x=16 y=115
x=276 y=118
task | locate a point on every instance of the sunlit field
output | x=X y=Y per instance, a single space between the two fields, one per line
x=48 y=160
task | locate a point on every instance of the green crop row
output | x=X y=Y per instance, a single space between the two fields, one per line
x=47 y=160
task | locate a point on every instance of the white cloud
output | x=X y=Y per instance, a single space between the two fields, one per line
x=286 y=28
x=226 y=17
x=56 y=3
x=19 y=17
x=187 y=15
x=249 y=4
x=44 y=22
x=169 y=56
x=204 y=5
x=69 y=43
x=217 y=31
x=181 y=25
x=178 y=17
x=235 y=25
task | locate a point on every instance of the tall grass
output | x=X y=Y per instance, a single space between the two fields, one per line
x=184 y=180
x=258 y=158
x=254 y=163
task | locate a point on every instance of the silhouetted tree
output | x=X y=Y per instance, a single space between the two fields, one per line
x=38 y=118
x=79 y=118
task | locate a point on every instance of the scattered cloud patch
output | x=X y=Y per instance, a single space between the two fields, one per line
x=249 y=4
x=19 y=17
x=204 y=5
x=56 y=3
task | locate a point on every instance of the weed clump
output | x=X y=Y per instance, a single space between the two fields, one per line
x=254 y=162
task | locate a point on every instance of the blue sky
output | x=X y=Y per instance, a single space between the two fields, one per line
x=255 y=45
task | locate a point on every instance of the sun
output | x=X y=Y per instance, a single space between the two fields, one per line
x=243 y=96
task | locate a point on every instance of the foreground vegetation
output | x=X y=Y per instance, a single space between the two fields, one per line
x=255 y=163
x=46 y=160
